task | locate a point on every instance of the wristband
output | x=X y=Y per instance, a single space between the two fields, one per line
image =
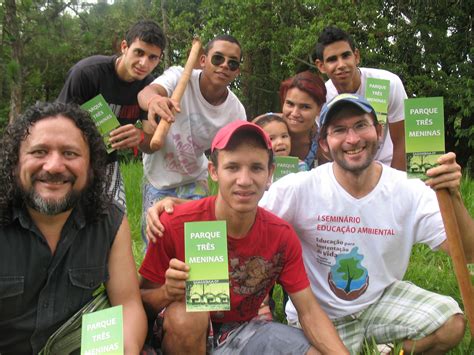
x=142 y=137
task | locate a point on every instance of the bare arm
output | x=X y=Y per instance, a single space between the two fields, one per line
x=448 y=175
x=122 y=288
x=154 y=227
x=316 y=325
x=154 y=99
x=397 y=134
x=155 y=296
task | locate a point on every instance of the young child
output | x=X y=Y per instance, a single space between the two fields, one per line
x=276 y=127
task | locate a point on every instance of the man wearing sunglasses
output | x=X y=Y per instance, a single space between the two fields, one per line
x=119 y=78
x=179 y=169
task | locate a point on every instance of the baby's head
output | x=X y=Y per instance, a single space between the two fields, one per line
x=276 y=127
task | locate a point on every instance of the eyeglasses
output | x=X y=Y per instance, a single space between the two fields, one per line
x=218 y=59
x=341 y=132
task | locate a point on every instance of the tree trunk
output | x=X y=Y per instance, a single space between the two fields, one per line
x=164 y=16
x=14 y=38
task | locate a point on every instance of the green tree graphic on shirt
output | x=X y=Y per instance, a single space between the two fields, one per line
x=350 y=270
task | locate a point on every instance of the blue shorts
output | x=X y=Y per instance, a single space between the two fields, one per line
x=192 y=191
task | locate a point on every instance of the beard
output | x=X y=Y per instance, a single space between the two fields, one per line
x=50 y=207
x=357 y=169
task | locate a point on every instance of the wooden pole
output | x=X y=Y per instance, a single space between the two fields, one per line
x=457 y=254
x=161 y=131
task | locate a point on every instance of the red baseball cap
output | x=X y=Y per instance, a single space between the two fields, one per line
x=224 y=135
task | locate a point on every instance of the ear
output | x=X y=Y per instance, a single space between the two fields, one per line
x=123 y=46
x=379 y=129
x=212 y=171
x=323 y=144
x=202 y=60
x=320 y=65
x=357 y=56
x=270 y=175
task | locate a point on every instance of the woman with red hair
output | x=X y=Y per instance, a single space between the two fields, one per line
x=302 y=97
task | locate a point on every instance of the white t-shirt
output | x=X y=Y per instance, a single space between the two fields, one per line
x=181 y=160
x=395 y=113
x=354 y=248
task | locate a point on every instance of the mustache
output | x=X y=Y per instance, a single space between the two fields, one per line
x=44 y=176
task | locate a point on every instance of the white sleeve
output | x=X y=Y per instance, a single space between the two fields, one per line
x=278 y=199
x=169 y=79
x=427 y=221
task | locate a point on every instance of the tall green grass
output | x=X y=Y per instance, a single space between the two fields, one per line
x=430 y=270
x=132 y=174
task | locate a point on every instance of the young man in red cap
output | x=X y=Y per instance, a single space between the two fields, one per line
x=262 y=249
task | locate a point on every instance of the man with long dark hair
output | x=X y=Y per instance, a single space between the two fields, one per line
x=61 y=236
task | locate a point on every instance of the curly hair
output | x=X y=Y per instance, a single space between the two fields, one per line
x=95 y=197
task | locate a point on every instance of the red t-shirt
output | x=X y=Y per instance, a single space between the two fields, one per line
x=270 y=252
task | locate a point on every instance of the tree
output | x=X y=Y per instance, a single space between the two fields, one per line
x=429 y=45
x=11 y=30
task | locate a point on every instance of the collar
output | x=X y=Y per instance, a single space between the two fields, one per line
x=20 y=213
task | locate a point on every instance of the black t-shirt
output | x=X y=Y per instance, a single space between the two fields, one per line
x=97 y=75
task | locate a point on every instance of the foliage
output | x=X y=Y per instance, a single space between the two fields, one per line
x=428 y=44
x=132 y=174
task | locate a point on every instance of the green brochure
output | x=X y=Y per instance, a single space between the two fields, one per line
x=424 y=134
x=103 y=118
x=285 y=166
x=207 y=288
x=377 y=92
x=102 y=332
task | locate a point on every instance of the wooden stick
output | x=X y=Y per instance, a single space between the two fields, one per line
x=161 y=131
x=457 y=254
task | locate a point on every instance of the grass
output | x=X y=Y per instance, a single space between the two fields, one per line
x=133 y=175
x=431 y=271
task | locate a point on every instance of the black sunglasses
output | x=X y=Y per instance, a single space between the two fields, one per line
x=218 y=59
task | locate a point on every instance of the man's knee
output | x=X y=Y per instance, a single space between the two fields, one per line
x=185 y=329
x=452 y=332
x=178 y=320
x=442 y=339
